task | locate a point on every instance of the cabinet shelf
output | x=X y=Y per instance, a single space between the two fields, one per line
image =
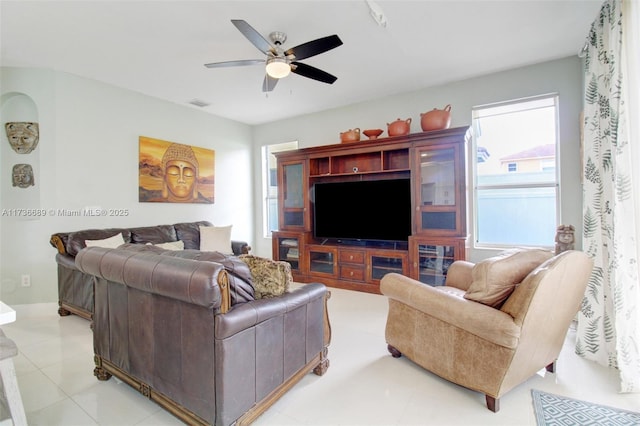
x=322 y=262
x=380 y=172
x=378 y=161
x=389 y=268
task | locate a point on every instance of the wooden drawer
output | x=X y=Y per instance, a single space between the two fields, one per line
x=355 y=273
x=352 y=256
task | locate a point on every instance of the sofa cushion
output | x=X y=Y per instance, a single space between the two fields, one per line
x=153 y=234
x=111 y=242
x=76 y=241
x=495 y=278
x=271 y=278
x=172 y=245
x=216 y=238
x=189 y=233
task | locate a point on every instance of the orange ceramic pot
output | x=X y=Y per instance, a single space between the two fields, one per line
x=436 y=119
x=372 y=133
x=399 y=127
x=351 y=135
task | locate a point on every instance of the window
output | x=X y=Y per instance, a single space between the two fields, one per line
x=270 y=185
x=516 y=173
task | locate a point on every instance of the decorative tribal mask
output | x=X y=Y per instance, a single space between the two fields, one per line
x=23 y=136
x=23 y=176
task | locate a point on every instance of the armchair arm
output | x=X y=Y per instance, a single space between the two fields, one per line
x=481 y=320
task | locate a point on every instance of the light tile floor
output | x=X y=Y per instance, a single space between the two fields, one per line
x=363 y=386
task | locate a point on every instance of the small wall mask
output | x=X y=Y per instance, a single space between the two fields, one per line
x=23 y=176
x=23 y=136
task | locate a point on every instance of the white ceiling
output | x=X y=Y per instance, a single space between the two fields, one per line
x=159 y=48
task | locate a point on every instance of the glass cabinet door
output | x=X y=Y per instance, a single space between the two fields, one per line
x=381 y=265
x=287 y=248
x=438 y=192
x=322 y=261
x=431 y=259
x=293 y=195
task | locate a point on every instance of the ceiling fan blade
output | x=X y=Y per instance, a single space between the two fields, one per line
x=253 y=36
x=269 y=83
x=314 y=47
x=234 y=63
x=312 y=72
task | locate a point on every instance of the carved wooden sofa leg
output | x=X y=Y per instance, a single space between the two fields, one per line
x=323 y=366
x=394 y=352
x=62 y=311
x=66 y=310
x=100 y=372
x=493 y=404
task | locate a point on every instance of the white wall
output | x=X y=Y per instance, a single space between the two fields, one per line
x=563 y=76
x=88 y=156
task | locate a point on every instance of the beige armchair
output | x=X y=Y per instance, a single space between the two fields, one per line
x=493 y=324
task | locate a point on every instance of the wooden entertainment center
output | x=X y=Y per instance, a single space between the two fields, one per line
x=435 y=164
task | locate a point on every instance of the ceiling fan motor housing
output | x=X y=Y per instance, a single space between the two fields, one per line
x=278 y=38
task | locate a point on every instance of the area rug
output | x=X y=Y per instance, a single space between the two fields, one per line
x=552 y=410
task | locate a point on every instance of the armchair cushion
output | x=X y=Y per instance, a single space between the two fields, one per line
x=495 y=278
x=271 y=278
x=460 y=275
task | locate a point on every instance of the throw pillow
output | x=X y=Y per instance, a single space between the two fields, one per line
x=111 y=242
x=216 y=238
x=495 y=278
x=171 y=245
x=271 y=278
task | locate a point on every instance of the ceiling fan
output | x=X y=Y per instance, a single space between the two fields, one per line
x=280 y=62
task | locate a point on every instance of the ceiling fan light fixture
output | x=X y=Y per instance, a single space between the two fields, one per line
x=278 y=67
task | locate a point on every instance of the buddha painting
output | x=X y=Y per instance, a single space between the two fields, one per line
x=172 y=173
x=23 y=136
x=180 y=167
x=22 y=176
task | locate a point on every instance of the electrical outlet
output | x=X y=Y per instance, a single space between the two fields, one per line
x=26 y=281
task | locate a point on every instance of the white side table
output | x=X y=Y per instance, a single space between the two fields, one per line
x=7 y=314
x=8 y=350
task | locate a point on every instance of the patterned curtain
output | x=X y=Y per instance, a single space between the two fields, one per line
x=609 y=320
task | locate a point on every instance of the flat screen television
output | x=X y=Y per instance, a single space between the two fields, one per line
x=377 y=210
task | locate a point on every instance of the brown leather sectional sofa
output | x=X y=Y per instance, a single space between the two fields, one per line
x=75 y=289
